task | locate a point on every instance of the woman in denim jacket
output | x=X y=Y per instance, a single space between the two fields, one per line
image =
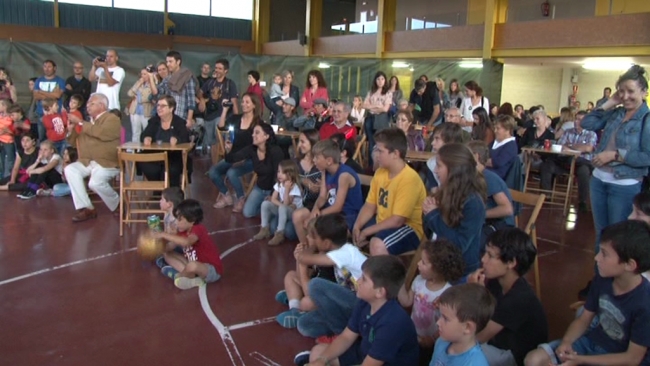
x=622 y=158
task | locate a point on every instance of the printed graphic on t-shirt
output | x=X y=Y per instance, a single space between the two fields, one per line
x=345 y=278
x=58 y=125
x=48 y=86
x=190 y=253
x=611 y=318
x=331 y=195
x=383 y=198
x=424 y=312
x=103 y=78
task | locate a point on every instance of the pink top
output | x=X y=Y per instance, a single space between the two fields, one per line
x=257 y=90
x=307 y=100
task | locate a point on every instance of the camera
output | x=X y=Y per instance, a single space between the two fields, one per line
x=227 y=103
x=150 y=69
x=101 y=59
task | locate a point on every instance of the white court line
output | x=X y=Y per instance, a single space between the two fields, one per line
x=233 y=229
x=81 y=261
x=251 y=323
x=263 y=359
x=226 y=337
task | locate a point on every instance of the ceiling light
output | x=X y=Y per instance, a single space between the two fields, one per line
x=400 y=65
x=323 y=65
x=611 y=65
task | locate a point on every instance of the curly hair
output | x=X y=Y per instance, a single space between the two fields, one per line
x=319 y=76
x=463 y=180
x=446 y=259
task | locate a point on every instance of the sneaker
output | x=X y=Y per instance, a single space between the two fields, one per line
x=239 y=206
x=27 y=195
x=168 y=271
x=44 y=192
x=302 y=358
x=278 y=238
x=22 y=194
x=186 y=283
x=326 y=339
x=289 y=318
x=224 y=200
x=263 y=234
x=160 y=262
x=282 y=297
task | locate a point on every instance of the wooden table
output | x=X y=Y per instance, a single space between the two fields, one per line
x=423 y=156
x=562 y=195
x=184 y=148
x=295 y=135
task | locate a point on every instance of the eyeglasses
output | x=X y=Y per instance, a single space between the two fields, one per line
x=162 y=105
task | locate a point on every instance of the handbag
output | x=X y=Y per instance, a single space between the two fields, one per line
x=382 y=121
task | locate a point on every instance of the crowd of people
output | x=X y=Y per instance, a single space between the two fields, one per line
x=470 y=302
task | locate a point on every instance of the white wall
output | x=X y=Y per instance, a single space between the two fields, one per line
x=550 y=85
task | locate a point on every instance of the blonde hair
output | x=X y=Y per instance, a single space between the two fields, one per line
x=290 y=169
x=440 y=83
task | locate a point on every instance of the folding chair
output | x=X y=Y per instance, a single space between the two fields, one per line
x=129 y=187
x=361 y=147
x=537 y=201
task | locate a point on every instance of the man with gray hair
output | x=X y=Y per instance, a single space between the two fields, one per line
x=97 y=143
x=340 y=123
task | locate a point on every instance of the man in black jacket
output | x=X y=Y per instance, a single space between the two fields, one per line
x=77 y=84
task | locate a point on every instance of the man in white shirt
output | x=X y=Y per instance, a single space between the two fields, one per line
x=109 y=77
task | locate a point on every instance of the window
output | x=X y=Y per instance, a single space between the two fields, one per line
x=151 y=5
x=105 y=3
x=193 y=7
x=239 y=9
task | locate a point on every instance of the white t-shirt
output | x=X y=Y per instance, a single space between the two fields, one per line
x=424 y=313
x=466 y=109
x=111 y=92
x=295 y=193
x=348 y=260
x=59 y=165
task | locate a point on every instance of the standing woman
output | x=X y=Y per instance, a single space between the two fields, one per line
x=622 y=157
x=456 y=96
x=316 y=88
x=473 y=99
x=141 y=105
x=265 y=155
x=169 y=128
x=445 y=102
x=254 y=86
x=7 y=87
x=484 y=130
x=377 y=104
x=242 y=129
x=397 y=93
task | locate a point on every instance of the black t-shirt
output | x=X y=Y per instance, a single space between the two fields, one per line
x=430 y=99
x=530 y=137
x=242 y=138
x=27 y=160
x=521 y=314
x=266 y=169
x=202 y=80
x=221 y=90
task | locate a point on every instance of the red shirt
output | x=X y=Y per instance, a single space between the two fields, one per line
x=55 y=128
x=203 y=250
x=24 y=127
x=307 y=100
x=257 y=90
x=327 y=130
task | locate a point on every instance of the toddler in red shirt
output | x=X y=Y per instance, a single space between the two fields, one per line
x=200 y=262
x=55 y=127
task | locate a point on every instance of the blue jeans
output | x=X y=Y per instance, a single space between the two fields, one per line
x=582 y=346
x=217 y=172
x=210 y=137
x=7 y=158
x=610 y=203
x=289 y=229
x=334 y=305
x=253 y=205
x=59 y=147
x=60 y=190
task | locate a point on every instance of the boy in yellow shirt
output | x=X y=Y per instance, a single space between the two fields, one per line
x=391 y=219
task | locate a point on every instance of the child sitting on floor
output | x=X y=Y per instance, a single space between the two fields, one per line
x=619 y=296
x=21 y=124
x=379 y=332
x=46 y=171
x=296 y=283
x=518 y=324
x=440 y=265
x=25 y=158
x=464 y=311
x=200 y=263
x=286 y=198
x=330 y=238
x=170 y=198
x=62 y=189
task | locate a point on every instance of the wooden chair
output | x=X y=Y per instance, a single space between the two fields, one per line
x=537 y=201
x=129 y=187
x=359 y=152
